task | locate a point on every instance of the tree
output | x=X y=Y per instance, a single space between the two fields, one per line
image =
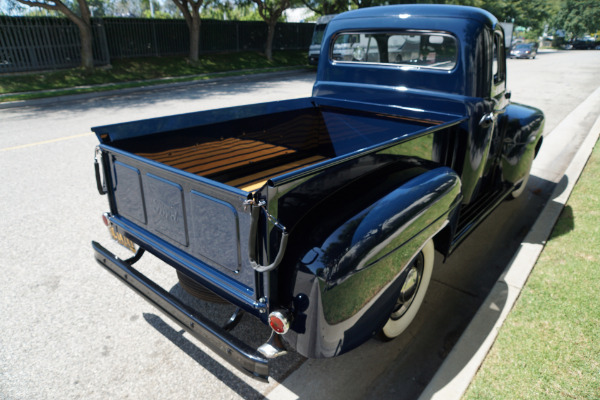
x=79 y=14
x=526 y=13
x=578 y=17
x=229 y=10
x=327 y=7
x=271 y=11
x=365 y=3
x=191 y=12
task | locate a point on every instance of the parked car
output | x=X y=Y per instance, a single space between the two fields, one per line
x=524 y=50
x=315 y=45
x=583 y=45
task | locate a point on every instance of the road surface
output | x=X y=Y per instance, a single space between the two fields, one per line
x=70 y=330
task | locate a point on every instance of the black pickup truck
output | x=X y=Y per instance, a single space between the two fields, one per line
x=321 y=216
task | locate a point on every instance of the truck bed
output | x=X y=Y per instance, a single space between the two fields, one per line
x=246 y=153
x=179 y=183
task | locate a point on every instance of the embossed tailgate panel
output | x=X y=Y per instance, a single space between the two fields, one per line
x=205 y=221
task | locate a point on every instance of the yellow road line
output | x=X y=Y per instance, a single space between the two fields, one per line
x=46 y=142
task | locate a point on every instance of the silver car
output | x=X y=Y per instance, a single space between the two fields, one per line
x=524 y=50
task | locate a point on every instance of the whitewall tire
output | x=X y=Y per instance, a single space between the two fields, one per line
x=416 y=280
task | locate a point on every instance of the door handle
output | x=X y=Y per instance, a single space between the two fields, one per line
x=487 y=120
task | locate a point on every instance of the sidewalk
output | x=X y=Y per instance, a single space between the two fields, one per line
x=57 y=95
x=454 y=376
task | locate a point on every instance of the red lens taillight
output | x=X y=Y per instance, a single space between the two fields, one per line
x=279 y=322
x=105 y=219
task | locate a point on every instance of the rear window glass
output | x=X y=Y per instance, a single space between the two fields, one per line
x=408 y=49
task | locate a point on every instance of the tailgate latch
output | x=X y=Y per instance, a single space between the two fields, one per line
x=257 y=206
x=100 y=183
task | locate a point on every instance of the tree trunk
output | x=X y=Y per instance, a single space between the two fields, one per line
x=87 y=54
x=195 y=39
x=270 y=36
x=83 y=22
x=85 y=32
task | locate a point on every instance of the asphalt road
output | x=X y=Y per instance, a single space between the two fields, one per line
x=70 y=330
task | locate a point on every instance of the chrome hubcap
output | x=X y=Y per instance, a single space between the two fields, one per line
x=412 y=280
x=410 y=283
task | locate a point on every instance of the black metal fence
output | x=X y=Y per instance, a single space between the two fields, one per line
x=36 y=43
x=29 y=44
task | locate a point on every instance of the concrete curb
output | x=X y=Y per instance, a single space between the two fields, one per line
x=457 y=371
x=107 y=93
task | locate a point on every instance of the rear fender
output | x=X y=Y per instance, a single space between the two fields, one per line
x=346 y=286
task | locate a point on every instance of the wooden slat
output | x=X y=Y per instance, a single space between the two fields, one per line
x=256 y=181
x=217 y=156
x=239 y=161
x=197 y=150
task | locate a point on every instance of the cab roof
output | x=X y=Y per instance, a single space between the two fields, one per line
x=407 y=11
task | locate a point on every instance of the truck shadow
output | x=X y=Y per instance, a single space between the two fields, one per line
x=566 y=221
x=206 y=361
x=403 y=368
x=468 y=283
x=250 y=330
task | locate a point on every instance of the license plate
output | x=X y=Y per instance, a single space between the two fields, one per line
x=121 y=239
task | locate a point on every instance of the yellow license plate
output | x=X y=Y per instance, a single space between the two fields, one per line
x=121 y=239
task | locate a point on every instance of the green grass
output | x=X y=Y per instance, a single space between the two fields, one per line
x=549 y=347
x=151 y=70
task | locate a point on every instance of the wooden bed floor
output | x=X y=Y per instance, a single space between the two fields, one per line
x=209 y=158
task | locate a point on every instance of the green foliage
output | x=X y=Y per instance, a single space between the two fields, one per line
x=532 y=14
x=147 y=68
x=326 y=7
x=231 y=11
x=159 y=14
x=578 y=17
x=122 y=8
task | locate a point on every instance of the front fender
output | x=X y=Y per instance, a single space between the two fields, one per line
x=523 y=132
x=346 y=286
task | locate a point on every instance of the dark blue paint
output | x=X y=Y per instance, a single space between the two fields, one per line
x=396 y=224
x=408 y=155
x=164 y=200
x=128 y=192
x=214 y=230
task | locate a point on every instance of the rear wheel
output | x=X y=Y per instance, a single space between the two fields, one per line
x=416 y=279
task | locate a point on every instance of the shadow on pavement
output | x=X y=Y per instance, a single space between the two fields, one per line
x=250 y=330
x=143 y=97
x=401 y=369
x=207 y=362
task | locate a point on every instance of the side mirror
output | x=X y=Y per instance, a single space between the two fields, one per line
x=508 y=95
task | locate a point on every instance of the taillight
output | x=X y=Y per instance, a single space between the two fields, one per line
x=105 y=219
x=279 y=322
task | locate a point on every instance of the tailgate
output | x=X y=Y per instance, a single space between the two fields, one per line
x=191 y=222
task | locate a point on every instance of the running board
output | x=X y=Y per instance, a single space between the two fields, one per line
x=473 y=214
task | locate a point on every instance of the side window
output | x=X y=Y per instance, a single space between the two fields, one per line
x=499 y=61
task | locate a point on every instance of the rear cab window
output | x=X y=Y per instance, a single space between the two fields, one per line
x=403 y=49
